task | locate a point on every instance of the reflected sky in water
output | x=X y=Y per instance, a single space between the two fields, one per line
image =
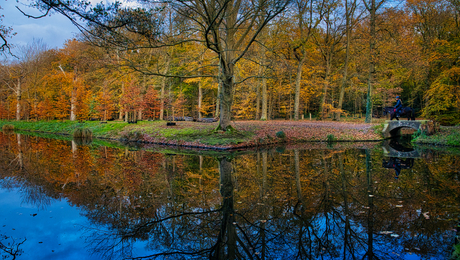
x=61 y=200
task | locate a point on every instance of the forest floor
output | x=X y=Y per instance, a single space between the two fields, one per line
x=202 y=135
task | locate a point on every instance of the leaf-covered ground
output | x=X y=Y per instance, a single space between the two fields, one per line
x=251 y=133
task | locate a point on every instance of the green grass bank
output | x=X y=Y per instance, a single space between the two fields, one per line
x=446 y=136
x=203 y=135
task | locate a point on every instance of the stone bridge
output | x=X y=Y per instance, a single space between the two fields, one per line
x=393 y=128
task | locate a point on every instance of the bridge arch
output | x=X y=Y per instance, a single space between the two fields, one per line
x=393 y=128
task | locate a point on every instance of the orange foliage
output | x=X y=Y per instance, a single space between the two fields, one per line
x=151 y=104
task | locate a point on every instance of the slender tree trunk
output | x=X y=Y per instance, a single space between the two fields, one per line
x=73 y=102
x=219 y=90
x=297 y=174
x=18 y=100
x=120 y=116
x=258 y=93
x=264 y=115
x=73 y=98
x=20 y=153
x=370 y=81
x=263 y=85
x=298 y=80
x=200 y=98
x=325 y=86
x=200 y=91
x=162 y=90
x=348 y=14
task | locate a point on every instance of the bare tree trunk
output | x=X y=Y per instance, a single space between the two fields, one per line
x=200 y=99
x=372 y=9
x=219 y=90
x=348 y=16
x=20 y=153
x=200 y=91
x=120 y=116
x=162 y=90
x=298 y=79
x=264 y=100
x=18 y=100
x=263 y=85
x=325 y=86
x=226 y=100
x=73 y=102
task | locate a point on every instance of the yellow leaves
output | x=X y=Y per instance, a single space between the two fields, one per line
x=444 y=93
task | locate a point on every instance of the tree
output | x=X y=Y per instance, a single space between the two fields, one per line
x=309 y=15
x=131 y=101
x=151 y=104
x=227 y=27
x=372 y=6
x=350 y=7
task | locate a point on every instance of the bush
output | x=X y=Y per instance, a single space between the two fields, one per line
x=8 y=128
x=330 y=138
x=281 y=134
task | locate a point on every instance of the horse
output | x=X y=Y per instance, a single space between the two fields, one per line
x=406 y=111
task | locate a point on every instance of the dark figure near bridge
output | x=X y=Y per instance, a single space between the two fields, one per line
x=406 y=111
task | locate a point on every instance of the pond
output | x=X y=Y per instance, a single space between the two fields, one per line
x=63 y=200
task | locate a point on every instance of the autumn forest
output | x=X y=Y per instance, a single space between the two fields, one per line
x=267 y=60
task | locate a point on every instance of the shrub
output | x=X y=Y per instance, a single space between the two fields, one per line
x=330 y=138
x=280 y=134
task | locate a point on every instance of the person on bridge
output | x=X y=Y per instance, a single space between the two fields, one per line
x=398 y=106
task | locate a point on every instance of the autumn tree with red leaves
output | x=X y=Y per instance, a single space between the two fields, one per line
x=131 y=101
x=151 y=104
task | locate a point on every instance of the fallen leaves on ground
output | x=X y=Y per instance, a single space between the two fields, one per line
x=264 y=133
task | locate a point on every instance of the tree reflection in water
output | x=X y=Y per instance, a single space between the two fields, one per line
x=275 y=204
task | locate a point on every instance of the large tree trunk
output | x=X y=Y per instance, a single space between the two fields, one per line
x=226 y=100
x=227 y=66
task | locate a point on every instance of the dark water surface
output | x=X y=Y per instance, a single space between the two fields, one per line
x=61 y=200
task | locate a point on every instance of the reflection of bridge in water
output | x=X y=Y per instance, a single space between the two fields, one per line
x=393 y=128
x=401 y=157
x=392 y=148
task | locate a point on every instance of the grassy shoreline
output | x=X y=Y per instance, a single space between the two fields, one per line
x=249 y=134
x=202 y=135
x=447 y=136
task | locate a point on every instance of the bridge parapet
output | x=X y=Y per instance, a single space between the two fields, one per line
x=392 y=128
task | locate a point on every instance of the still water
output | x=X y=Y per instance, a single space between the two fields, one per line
x=63 y=200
